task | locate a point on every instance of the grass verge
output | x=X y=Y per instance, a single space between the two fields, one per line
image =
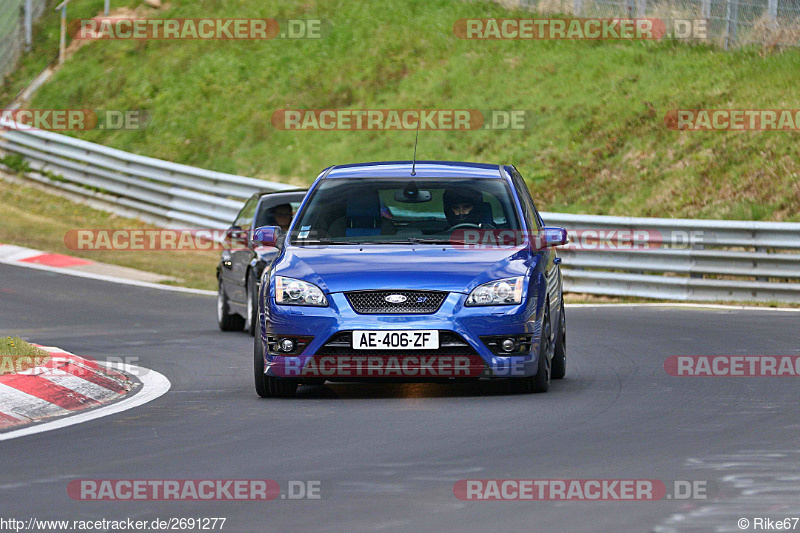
x=36 y=219
x=598 y=142
x=17 y=355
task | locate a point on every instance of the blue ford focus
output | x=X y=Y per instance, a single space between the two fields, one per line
x=426 y=271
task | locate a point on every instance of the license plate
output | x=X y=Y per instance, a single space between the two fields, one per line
x=396 y=340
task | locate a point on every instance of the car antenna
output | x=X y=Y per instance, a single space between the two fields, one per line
x=414 y=162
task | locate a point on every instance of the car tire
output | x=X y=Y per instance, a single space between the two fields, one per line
x=262 y=388
x=541 y=381
x=252 y=304
x=559 y=365
x=269 y=386
x=226 y=320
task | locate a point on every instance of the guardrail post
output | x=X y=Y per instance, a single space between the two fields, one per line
x=694 y=245
x=761 y=249
x=28 y=25
x=576 y=7
x=772 y=11
x=62 y=45
x=108 y=7
x=732 y=20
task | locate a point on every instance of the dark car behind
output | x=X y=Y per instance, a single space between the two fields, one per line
x=242 y=263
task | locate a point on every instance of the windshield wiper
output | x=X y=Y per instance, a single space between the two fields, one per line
x=414 y=240
x=322 y=241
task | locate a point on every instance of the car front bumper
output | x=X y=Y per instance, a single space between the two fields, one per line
x=318 y=325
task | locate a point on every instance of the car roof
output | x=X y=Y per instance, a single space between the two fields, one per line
x=263 y=194
x=426 y=169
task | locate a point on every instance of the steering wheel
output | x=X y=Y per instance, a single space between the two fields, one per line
x=464 y=225
x=471 y=225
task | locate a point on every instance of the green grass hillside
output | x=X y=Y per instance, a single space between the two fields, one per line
x=598 y=142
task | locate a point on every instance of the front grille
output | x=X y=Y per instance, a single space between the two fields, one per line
x=450 y=343
x=416 y=302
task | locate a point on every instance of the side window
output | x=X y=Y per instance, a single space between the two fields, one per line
x=245 y=217
x=531 y=215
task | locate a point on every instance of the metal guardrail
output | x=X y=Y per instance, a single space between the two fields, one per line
x=677 y=259
x=165 y=193
x=681 y=259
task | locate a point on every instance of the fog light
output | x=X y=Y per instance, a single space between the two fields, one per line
x=287 y=345
x=509 y=345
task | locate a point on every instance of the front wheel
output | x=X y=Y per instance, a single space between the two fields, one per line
x=560 y=352
x=226 y=320
x=541 y=381
x=252 y=304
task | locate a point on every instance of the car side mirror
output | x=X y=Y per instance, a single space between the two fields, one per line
x=268 y=236
x=554 y=236
x=235 y=236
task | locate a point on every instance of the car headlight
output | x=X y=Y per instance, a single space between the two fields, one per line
x=500 y=292
x=290 y=291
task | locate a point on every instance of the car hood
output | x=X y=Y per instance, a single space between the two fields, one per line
x=340 y=268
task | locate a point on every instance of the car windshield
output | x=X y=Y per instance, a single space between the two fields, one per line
x=407 y=210
x=270 y=213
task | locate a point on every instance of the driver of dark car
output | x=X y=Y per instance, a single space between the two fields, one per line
x=463 y=206
x=283 y=216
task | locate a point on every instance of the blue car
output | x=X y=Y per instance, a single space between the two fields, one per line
x=426 y=271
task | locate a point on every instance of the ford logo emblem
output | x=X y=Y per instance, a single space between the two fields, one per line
x=395 y=298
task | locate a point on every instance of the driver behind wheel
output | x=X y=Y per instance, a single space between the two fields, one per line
x=465 y=206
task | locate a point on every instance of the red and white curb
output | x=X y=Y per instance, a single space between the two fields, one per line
x=63 y=384
x=11 y=254
x=67 y=384
x=18 y=254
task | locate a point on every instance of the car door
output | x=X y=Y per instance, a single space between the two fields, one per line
x=241 y=253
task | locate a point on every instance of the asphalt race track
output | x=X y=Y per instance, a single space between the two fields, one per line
x=389 y=455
